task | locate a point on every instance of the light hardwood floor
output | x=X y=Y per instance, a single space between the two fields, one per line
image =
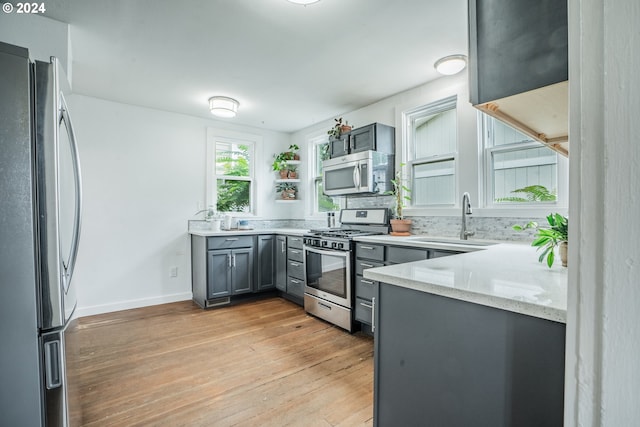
x=262 y=363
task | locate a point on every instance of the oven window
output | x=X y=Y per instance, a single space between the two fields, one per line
x=327 y=273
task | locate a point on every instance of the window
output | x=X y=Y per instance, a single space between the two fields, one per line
x=230 y=172
x=432 y=151
x=519 y=169
x=321 y=202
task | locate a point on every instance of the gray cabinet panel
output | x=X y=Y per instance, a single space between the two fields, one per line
x=281 y=263
x=295 y=287
x=230 y=242
x=456 y=363
x=266 y=262
x=398 y=255
x=363 y=311
x=295 y=269
x=363 y=264
x=219 y=274
x=516 y=46
x=339 y=146
x=242 y=271
x=369 y=251
x=295 y=254
x=294 y=242
x=437 y=253
x=365 y=288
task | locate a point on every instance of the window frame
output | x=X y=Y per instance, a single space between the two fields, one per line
x=409 y=117
x=487 y=171
x=316 y=176
x=238 y=138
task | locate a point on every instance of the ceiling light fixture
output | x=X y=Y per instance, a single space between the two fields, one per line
x=223 y=106
x=304 y=2
x=451 y=64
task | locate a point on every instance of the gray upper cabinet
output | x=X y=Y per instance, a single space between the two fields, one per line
x=518 y=66
x=375 y=137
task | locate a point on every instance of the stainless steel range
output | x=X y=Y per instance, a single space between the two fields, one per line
x=329 y=264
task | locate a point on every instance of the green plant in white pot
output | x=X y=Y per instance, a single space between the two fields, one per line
x=548 y=238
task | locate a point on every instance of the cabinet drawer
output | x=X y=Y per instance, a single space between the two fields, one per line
x=295 y=254
x=363 y=264
x=365 y=250
x=295 y=287
x=364 y=311
x=295 y=269
x=439 y=253
x=294 y=242
x=229 y=242
x=397 y=255
x=365 y=288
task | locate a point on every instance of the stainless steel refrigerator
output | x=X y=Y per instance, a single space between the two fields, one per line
x=40 y=211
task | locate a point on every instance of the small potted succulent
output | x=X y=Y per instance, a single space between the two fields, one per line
x=339 y=128
x=293 y=172
x=548 y=238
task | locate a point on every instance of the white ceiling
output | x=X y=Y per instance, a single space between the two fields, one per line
x=290 y=66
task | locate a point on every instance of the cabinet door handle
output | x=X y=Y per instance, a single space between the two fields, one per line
x=283 y=246
x=229 y=260
x=344 y=144
x=366 y=265
x=231 y=239
x=294 y=251
x=373 y=314
x=295 y=282
x=233 y=260
x=366 y=247
x=366 y=305
x=294 y=264
x=366 y=282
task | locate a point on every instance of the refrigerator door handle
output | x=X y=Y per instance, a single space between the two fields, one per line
x=53 y=364
x=69 y=263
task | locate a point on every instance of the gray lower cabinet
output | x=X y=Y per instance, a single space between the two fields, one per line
x=281 y=263
x=295 y=269
x=221 y=268
x=230 y=272
x=445 y=362
x=267 y=247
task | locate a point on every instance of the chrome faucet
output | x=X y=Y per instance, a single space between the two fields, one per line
x=466 y=210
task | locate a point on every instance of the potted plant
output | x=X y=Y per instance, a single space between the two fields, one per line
x=339 y=128
x=292 y=154
x=287 y=190
x=293 y=172
x=399 y=225
x=548 y=238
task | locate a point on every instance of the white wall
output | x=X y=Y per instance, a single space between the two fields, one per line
x=603 y=318
x=144 y=176
x=43 y=37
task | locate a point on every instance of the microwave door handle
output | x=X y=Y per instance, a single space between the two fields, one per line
x=356 y=175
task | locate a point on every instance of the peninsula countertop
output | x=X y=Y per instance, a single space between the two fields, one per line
x=504 y=276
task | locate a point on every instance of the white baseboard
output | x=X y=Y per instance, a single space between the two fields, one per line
x=126 y=305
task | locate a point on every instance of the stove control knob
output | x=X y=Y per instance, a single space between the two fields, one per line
x=325 y=243
x=340 y=245
x=334 y=245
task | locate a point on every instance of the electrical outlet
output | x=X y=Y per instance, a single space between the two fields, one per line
x=173 y=272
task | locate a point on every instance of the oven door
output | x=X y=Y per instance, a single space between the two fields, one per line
x=328 y=275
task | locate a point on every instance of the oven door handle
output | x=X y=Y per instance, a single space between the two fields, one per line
x=344 y=254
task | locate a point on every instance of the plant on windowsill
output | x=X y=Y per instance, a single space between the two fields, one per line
x=399 y=225
x=339 y=128
x=548 y=238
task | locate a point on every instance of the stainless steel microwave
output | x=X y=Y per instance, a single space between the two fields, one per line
x=358 y=173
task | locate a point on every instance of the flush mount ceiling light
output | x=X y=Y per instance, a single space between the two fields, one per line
x=223 y=106
x=451 y=64
x=303 y=2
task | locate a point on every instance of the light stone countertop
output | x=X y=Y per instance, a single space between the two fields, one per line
x=504 y=276
x=235 y=232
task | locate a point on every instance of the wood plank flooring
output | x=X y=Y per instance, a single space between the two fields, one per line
x=262 y=363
